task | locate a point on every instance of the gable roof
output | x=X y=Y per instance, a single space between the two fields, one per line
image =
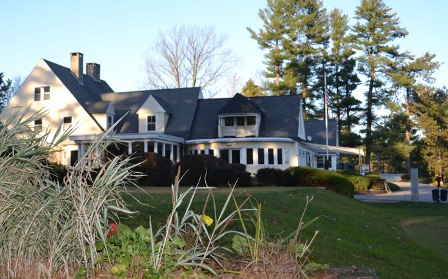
x=180 y=101
x=98 y=107
x=239 y=105
x=89 y=91
x=280 y=116
x=316 y=130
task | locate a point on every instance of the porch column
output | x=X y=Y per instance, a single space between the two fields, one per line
x=156 y=147
x=163 y=149
x=243 y=155
x=255 y=155
x=129 y=147
x=80 y=150
x=275 y=156
x=172 y=152
x=178 y=153
x=145 y=146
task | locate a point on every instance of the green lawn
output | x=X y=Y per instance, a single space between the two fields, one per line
x=399 y=240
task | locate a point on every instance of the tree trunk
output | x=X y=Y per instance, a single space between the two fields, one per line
x=408 y=133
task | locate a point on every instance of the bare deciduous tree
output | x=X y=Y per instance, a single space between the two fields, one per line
x=190 y=56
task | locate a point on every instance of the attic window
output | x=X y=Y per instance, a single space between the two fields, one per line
x=42 y=93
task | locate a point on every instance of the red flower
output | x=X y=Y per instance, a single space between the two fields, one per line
x=113 y=229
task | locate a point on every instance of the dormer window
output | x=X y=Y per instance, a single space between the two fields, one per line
x=42 y=93
x=151 y=123
x=228 y=121
x=239 y=126
x=251 y=120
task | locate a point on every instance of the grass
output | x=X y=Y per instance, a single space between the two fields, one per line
x=398 y=240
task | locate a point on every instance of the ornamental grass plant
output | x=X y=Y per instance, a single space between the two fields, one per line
x=48 y=229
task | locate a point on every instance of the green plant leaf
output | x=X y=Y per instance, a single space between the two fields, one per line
x=179 y=242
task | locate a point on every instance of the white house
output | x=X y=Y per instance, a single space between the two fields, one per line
x=258 y=131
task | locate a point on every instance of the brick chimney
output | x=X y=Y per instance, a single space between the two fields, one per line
x=76 y=65
x=93 y=70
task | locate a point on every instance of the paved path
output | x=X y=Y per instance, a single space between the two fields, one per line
x=424 y=192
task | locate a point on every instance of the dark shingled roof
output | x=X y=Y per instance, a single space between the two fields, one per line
x=280 y=116
x=97 y=107
x=316 y=129
x=239 y=104
x=88 y=92
x=180 y=102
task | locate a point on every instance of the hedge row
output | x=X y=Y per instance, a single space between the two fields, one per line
x=304 y=176
x=199 y=169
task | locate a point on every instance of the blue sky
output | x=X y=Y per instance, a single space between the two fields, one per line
x=117 y=34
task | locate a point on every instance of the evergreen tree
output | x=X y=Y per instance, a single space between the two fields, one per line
x=409 y=75
x=270 y=38
x=295 y=35
x=4 y=91
x=343 y=80
x=431 y=111
x=250 y=89
x=374 y=31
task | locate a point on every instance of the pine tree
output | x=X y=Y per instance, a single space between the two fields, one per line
x=270 y=38
x=431 y=111
x=409 y=75
x=374 y=31
x=295 y=35
x=5 y=86
x=250 y=89
x=343 y=80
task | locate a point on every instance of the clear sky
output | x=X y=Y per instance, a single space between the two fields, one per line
x=117 y=34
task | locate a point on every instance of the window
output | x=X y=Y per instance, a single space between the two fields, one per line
x=251 y=121
x=37 y=94
x=224 y=154
x=38 y=125
x=228 y=121
x=260 y=156
x=320 y=162
x=235 y=156
x=211 y=152
x=42 y=93
x=66 y=123
x=151 y=123
x=240 y=121
x=270 y=156
x=110 y=121
x=250 y=156
x=46 y=93
x=279 y=156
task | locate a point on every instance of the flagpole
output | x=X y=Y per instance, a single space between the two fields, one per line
x=326 y=113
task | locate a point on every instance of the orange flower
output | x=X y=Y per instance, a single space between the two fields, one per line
x=113 y=229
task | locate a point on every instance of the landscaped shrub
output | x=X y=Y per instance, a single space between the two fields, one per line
x=201 y=169
x=361 y=183
x=230 y=174
x=273 y=177
x=155 y=168
x=310 y=177
x=57 y=172
x=198 y=169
